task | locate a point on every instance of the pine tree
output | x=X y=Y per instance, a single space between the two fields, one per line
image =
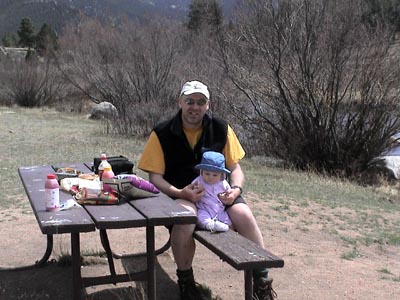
x=10 y=40
x=383 y=11
x=46 y=40
x=26 y=33
x=204 y=12
x=214 y=14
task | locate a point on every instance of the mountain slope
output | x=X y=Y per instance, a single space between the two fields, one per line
x=51 y=12
x=57 y=13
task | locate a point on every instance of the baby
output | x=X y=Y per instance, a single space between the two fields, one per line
x=211 y=212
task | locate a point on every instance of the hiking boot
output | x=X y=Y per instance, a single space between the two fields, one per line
x=263 y=290
x=215 y=225
x=189 y=290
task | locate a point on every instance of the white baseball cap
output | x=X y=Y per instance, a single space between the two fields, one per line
x=192 y=87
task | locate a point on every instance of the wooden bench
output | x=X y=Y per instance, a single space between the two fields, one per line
x=240 y=253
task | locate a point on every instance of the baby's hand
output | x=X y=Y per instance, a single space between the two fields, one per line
x=226 y=197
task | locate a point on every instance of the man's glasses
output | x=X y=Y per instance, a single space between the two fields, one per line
x=199 y=102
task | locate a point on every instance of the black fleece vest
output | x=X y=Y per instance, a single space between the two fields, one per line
x=180 y=158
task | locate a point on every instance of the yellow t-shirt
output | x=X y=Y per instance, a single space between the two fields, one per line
x=152 y=159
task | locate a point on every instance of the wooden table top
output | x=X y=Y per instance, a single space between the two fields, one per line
x=152 y=211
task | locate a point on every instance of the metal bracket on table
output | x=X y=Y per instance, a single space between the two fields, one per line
x=110 y=254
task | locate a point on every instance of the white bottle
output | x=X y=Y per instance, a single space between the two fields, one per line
x=52 y=193
x=104 y=163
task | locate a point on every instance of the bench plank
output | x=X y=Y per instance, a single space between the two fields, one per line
x=239 y=252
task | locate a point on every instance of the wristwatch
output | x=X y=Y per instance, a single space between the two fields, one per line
x=237 y=187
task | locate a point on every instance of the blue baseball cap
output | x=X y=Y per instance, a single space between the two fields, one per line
x=213 y=161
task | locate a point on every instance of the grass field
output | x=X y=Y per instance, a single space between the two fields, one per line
x=43 y=136
x=334 y=235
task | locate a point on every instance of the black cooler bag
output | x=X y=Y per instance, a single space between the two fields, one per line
x=119 y=164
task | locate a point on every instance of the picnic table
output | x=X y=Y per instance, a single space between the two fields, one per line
x=158 y=210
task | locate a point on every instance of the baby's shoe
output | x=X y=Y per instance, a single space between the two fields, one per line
x=215 y=225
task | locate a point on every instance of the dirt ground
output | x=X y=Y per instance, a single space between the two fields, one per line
x=312 y=251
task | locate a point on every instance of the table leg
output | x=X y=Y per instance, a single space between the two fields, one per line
x=106 y=245
x=151 y=274
x=248 y=284
x=77 y=285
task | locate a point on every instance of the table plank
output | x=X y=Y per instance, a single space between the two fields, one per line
x=162 y=210
x=116 y=216
x=67 y=221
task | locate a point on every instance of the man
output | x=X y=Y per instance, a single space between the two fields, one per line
x=170 y=155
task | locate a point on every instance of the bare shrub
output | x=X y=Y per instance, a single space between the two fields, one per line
x=129 y=65
x=320 y=86
x=32 y=83
x=5 y=98
x=74 y=101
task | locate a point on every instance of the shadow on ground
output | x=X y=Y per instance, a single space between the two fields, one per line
x=49 y=282
x=55 y=282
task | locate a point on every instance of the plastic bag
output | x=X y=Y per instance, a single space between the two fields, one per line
x=85 y=196
x=126 y=189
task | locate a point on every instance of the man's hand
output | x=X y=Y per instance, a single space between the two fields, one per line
x=192 y=192
x=229 y=196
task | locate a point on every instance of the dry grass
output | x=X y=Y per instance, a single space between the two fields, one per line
x=369 y=215
x=42 y=136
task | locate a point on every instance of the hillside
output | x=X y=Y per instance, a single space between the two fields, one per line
x=57 y=13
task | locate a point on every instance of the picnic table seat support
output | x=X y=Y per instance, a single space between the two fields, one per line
x=49 y=249
x=114 y=278
x=110 y=254
x=148 y=274
x=158 y=251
